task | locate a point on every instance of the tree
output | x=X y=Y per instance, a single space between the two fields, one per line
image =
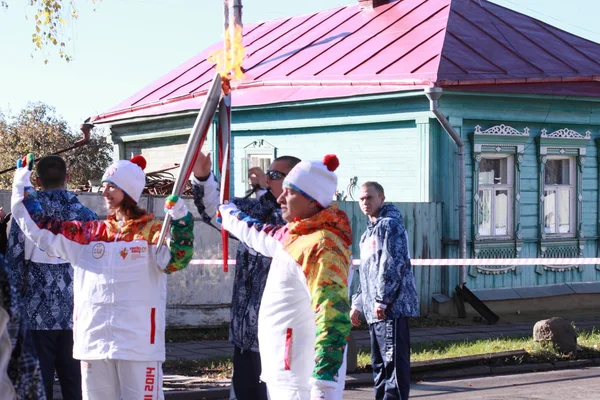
x=38 y=130
x=51 y=17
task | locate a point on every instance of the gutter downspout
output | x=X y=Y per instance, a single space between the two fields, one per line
x=433 y=94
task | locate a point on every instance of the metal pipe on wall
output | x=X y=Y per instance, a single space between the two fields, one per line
x=434 y=94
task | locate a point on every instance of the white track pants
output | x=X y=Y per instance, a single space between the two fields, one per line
x=121 y=379
x=283 y=393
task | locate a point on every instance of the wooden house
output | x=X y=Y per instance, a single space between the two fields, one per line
x=523 y=96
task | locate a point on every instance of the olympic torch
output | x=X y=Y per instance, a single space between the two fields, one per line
x=233 y=53
x=194 y=145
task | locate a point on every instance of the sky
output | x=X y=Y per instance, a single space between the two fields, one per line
x=121 y=46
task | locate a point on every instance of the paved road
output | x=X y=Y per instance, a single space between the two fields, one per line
x=578 y=384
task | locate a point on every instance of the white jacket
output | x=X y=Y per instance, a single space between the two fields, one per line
x=119 y=280
x=303 y=318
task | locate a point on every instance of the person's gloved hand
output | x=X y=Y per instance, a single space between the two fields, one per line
x=23 y=173
x=325 y=393
x=175 y=207
x=226 y=209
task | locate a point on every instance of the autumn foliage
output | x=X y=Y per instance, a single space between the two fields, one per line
x=38 y=129
x=49 y=20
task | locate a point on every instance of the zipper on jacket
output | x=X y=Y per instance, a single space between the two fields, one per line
x=112 y=280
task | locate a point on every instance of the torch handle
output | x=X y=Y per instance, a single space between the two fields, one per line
x=224 y=159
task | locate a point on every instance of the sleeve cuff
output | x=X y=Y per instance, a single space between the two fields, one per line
x=201 y=182
x=381 y=305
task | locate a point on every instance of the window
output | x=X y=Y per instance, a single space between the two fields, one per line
x=498 y=154
x=256 y=160
x=559 y=196
x=495 y=195
x=259 y=153
x=562 y=155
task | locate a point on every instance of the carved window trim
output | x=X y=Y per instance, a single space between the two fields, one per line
x=562 y=143
x=499 y=141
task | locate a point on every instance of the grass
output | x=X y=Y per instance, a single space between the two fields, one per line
x=589 y=341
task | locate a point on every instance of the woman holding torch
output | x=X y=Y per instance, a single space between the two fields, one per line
x=119 y=279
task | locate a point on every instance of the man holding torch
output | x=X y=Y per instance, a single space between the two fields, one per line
x=304 y=316
x=251 y=268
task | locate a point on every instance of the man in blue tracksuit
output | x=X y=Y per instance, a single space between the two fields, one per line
x=251 y=269
x=387 y=294
x=46 y=283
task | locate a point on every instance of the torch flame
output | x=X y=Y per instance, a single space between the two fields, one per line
x=229 y=59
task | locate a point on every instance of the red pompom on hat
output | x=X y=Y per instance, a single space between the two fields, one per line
x=140 y=161
x=331 y=162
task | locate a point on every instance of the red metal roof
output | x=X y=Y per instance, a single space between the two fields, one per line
x=403 y=45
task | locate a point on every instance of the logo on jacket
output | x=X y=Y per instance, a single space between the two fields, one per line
x=124 y=253
x=138 y=252
x=98 y=250
x=369 y=246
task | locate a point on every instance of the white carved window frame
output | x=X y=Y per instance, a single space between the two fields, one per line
x=562 y=143
x=498 y=142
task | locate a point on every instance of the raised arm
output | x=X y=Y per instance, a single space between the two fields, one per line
x=56 y=237
x=206 y=196
x=180 y=250
x=206 y=187
x=263 y=238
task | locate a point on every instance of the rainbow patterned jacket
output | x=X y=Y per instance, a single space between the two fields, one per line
x=119 y=280
x=304 y=315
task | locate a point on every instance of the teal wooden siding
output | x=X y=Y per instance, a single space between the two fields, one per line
x=395 y=140
x=391 y=154
x=423 y=222
x=162 y=142
x=465 y=112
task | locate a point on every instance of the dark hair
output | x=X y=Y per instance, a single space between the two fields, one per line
x=290 y=160
x=130 y=208
x=52 y=171
x=375 y=186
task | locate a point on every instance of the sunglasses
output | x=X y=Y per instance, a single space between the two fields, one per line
x=275 y=175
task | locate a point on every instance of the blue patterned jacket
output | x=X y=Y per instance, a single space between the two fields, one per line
x=23 y=369
x=46 y=283
x=251 y=269
x=386 y=275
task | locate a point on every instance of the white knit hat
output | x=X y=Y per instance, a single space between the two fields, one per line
x=316 y=180
x=128 y=176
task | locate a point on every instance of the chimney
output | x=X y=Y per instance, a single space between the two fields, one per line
x=369 y=5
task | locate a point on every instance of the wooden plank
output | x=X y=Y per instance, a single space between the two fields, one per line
x=423 y=222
